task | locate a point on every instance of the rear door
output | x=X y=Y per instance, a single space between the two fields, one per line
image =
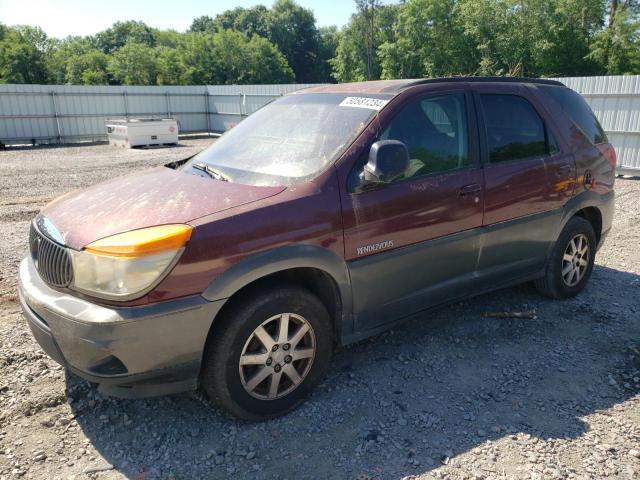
x=413 y=243
x=520 y=209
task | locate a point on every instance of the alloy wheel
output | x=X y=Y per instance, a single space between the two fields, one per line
x=575 y=260
x=277 y=356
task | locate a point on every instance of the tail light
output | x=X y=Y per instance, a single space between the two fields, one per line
x=607 y=151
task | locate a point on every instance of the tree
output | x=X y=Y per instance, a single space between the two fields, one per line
x=430 y=41
x=62 y=53
x=617 y=49
x=229 y=57
x=170 y=66
x=353 y=60
x=121 y=33
x=492 y=28
x=23 y=52
x=197 y=53
x=367 y=16
x=328 y=40
x=266 y=64
x=294 y=32
x=410 y=38
x=90 y=68
x=250 y=21
x=167 y=38
x=567 y=35
x=134 y=64
x=349 y=64
x=201 y=24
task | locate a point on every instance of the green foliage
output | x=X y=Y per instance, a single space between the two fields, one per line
x=168 y=38
x=63 y=54
x=490 y=37
x=617 y=49
x=429 y=42
x=90 y=68
x=23 y=52
x=122 y=33
x=170 y=66
x=412 y=38
x=293 y=30
x=265 y=63
x=328 y=40
x=229 y=57
x=134 y=64
x=202 y=24
x=357 y=54
x=250 y=21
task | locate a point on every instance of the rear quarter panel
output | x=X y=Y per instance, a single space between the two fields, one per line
x=587 y=159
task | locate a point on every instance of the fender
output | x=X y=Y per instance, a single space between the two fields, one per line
x=279 y=259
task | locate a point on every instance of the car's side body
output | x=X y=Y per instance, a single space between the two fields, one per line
x=373 y=257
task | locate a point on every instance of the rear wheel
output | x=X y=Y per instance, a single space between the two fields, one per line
x=571 y=262
x=268 y=353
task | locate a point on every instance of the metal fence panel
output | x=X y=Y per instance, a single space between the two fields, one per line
x=231 y=103
x=615 y=100
x=67 y=113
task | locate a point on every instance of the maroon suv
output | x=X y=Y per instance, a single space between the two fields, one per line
x=325 y=217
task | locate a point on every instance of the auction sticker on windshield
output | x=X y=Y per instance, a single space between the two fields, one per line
x=364 y=102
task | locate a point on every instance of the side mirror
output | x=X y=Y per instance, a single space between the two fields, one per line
x=388 y=160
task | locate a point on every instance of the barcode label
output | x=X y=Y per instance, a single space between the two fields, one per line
x=364 y=102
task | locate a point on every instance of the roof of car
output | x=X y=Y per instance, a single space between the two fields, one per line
x=396 y=86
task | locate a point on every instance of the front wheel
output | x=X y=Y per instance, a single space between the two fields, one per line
x=268 y=353
x=571 y=262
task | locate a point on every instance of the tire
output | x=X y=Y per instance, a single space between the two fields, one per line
x=554 y=283
x=230 y=385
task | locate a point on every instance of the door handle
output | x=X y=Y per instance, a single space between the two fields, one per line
x=563 y=170
x=469 y=190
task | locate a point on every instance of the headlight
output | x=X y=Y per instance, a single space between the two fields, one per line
x=123 y=265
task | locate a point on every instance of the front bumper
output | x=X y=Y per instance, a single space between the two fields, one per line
x=131 y=352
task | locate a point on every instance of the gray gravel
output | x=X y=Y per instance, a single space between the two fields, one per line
x=450 y=394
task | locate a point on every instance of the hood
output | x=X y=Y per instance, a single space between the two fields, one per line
x=144 y=199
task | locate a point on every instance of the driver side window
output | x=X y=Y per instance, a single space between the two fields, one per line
x=434 y=129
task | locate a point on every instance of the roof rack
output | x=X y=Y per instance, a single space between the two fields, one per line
x=542 y=81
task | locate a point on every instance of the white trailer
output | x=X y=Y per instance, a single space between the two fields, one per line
x=137 y=132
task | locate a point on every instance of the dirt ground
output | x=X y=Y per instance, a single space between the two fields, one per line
x=450 y=394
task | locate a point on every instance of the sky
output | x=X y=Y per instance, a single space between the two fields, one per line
x=59 y=18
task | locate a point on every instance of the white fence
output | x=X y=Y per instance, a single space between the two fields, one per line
x=616 y=102
x=67 y=113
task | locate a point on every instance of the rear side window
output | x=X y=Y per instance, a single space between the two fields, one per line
x=514 y=128
x=578 y=110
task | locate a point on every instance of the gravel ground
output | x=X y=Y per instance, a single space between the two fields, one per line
x=450 y=394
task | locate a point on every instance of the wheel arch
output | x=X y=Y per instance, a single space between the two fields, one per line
x=594 y=216
x=317 y=269
x=597 y=209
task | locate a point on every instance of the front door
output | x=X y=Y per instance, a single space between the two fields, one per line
x=411 y=244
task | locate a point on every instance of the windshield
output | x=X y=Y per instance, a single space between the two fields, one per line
x=289 y=140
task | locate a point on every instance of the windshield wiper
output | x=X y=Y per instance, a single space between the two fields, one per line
x=212 y=172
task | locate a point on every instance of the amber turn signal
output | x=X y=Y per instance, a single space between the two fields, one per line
x=142 y=242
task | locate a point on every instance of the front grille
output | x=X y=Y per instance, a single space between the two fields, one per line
x=51 y=259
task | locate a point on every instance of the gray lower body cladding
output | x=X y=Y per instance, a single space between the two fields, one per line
x=130 y=352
